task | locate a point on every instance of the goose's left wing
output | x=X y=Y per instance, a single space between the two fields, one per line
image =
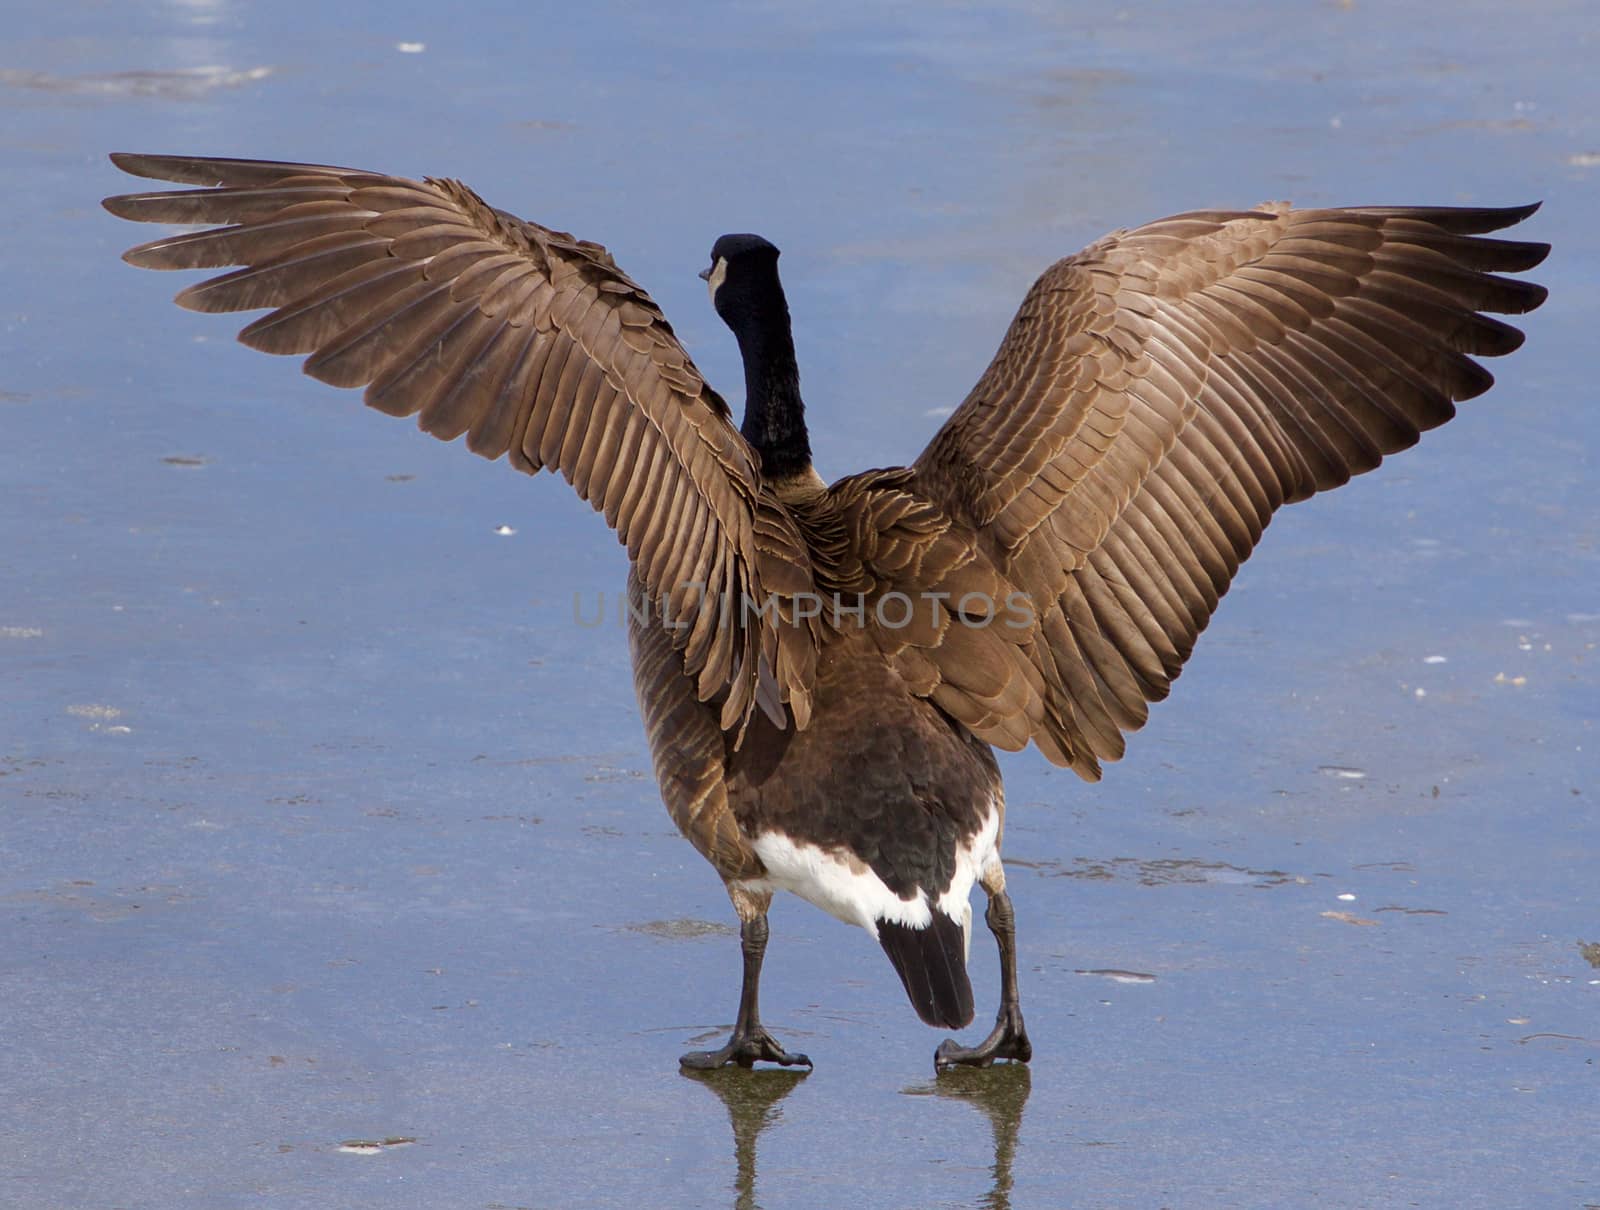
x=1160 y=394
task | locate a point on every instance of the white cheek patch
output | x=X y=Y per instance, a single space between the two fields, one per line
x=719 y=273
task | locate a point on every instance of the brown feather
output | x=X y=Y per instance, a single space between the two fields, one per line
x=520 y=337
x=1259 y=357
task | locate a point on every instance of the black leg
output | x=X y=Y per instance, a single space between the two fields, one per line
x=1009 y=1039
x=750 y=1043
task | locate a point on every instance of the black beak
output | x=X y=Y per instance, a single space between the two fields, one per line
x=705 y=274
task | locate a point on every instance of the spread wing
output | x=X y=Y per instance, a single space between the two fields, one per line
x=1160 y=394
x=531 y=343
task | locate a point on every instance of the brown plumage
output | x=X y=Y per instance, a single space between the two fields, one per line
x=1063 y=539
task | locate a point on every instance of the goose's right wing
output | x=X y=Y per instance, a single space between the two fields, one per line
x=529 y=342
x=1162 y=393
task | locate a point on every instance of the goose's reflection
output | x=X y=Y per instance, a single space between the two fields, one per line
x=1000 y=1092
x=751 y=1099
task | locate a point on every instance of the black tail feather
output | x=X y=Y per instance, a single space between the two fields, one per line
x=932 y=963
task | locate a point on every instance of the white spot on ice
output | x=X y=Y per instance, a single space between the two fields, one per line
x=1342 y=772
x=1120 y=976
x=373 y=1146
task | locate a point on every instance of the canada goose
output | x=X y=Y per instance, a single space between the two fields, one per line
x=822 y=670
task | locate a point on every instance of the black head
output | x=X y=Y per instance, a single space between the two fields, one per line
x=745 y=291
x=743 y=278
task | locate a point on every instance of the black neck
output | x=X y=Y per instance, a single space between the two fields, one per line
x=774 y=416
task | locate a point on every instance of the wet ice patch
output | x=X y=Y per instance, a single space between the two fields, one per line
x=184 y=83
x=1350 y=918
x=612 y=773
x=681 y=930
x=100 y=718
x=1162 y=871
x=374 y=1146
x=1342 y=772
x=1117 y=976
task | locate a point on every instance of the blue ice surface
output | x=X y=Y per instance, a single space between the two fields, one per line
x=322 y=824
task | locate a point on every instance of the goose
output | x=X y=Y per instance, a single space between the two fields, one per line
x=823 y=670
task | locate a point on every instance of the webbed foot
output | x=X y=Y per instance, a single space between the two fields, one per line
x=1008 y=1041
x=746 y=1048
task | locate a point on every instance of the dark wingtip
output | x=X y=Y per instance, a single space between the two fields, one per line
x=1458 y=220
x=1477 y=220
x=1536 y=253
x=1510 y=216
x=932 y=965
x=115 y=204
x=136 y=164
